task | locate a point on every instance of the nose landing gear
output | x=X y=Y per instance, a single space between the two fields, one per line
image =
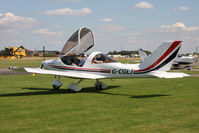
x=57 y=83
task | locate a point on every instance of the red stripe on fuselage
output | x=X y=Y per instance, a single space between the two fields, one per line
x=169 y=50
x=76 y=68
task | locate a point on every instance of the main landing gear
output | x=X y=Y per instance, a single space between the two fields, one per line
x=74 y=87
x=100 y=85
x=57 y=83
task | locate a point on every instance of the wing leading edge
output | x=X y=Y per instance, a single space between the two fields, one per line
x=67 y=74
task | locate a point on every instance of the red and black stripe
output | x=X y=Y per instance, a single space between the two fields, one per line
x=155 y=65
x=82 y=69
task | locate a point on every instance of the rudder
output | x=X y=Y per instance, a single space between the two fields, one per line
x=161 y=58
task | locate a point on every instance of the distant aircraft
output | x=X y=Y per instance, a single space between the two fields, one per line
x=183 y=60
x=179 y=60
x=99 y=66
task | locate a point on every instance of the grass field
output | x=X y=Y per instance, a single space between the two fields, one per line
x=26 y=62
x=150 y=105
x=186 y=71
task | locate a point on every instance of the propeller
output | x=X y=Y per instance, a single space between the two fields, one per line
x=43 y=52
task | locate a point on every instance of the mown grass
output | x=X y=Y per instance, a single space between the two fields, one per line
x=17 y=62
x=26 y=62
x=195 y=67
x=186 y=71
x=148 y=105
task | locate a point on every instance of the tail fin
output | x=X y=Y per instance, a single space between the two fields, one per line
x=161 y=58
x=142 y=54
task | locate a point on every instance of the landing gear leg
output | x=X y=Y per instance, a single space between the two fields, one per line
x=188 y=67
x=100 y=85
x=74 y=87
x=57 y=83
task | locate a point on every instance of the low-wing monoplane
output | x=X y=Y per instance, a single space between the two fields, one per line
x=100 y=66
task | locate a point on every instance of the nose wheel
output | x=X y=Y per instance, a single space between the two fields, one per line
x=57 y=83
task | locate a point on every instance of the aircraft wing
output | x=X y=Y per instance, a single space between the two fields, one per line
x=67 y=74
x=162 y=74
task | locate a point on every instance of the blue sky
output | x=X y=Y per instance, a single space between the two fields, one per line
x=117 y=24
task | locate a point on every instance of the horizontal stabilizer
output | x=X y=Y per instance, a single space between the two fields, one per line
x=162 y=74
x=142 y=54
x=15 y=68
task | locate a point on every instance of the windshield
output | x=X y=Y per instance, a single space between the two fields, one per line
x=81 y=41
x=71 y=43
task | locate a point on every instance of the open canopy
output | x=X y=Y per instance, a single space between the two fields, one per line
x=81 y=41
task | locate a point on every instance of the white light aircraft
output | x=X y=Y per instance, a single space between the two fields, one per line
x=184 y=60
x=99 y=66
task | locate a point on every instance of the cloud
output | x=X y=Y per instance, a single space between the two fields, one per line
x=179 y=26
x=146 y=38
x=182 y=8
x=144 y=5
x=111 y=28
x=67 y=11
x=134 y=38
x=7 y=33
x=151 y=38
x=11 y=25
x=46 y=32
x=106 y=20
x=56 y=26
x=10 y=21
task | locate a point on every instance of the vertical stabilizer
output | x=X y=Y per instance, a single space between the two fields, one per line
x=161 y=58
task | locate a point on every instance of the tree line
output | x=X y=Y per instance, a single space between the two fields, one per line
x=125 y=52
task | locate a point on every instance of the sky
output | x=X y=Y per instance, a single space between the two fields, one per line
x=117 y=24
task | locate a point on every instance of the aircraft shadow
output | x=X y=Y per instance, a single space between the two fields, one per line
x=47 y=91
x=93 y=90
x=149 y=96
x=135 y=96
